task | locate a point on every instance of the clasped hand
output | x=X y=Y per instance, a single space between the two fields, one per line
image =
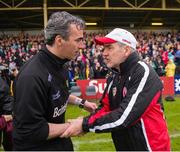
x=75 y=125
x=90 y=106
x=74 y=129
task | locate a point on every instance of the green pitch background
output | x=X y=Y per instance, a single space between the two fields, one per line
x=103 y=142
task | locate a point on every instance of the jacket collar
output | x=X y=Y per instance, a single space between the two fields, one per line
x=54 y=59
x=129 y=63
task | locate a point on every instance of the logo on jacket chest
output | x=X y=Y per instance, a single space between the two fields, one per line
x=56 y=95
x=58 y=111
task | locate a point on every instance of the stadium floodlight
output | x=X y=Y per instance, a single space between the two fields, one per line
x=91 y=23
x=157 y=23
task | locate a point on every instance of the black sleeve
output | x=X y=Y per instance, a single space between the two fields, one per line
x=6 y=100
x=2 y=91
x=30 y=104
x=143 y=87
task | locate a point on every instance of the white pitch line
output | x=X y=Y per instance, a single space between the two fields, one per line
x=175 y=135
x=93 y=141
x=96 y=141
x=109 y=140
x=77 y=143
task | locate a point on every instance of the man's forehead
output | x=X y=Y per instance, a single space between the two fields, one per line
x=75 y=30
x=108 y=45
x=75 y=27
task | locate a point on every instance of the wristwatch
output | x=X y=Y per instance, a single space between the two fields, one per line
x=81 y=105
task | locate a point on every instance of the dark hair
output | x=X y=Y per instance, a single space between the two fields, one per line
x=58 y=24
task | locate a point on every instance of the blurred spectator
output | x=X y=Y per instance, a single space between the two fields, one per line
x=154 y=48
x=98 y=71
x=13 y=73
x=77 y=72
x=88 y=70
x=177 y=57
x=160 y=66
x=170 y=69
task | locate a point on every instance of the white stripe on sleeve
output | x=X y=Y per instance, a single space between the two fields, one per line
x=130 y=105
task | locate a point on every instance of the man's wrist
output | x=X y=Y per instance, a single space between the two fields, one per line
x=77 y=101
x=81 y=105
x=80 y=102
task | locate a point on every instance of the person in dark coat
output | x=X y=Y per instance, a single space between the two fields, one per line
x=6 y=105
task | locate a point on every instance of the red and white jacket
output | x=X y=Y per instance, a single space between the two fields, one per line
x=131 y=109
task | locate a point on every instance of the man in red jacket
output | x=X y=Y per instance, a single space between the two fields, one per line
x=131 y=106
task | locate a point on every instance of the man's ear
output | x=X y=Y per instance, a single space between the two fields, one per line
x=127 y=51
x=59 y=40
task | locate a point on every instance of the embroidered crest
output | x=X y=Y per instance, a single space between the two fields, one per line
x=124 y=91
x=49 y=77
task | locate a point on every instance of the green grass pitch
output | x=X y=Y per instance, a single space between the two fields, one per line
x=103 y=142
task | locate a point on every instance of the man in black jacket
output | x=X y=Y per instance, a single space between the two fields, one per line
x=41 y=92
x=6 y=105
x=131 y=106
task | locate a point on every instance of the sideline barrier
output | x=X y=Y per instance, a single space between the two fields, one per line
x=171 y=86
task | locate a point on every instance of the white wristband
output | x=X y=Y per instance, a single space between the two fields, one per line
x=77 y=101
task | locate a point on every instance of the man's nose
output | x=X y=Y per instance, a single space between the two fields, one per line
x=82 y=45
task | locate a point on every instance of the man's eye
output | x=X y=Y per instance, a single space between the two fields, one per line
x=109 y=47
x=79 y=40
x=102 y=50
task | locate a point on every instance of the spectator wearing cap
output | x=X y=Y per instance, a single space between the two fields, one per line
x=131 y=105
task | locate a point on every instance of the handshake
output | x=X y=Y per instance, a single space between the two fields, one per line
x=74 y=127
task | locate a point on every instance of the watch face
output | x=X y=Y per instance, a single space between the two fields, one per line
x=81 y=105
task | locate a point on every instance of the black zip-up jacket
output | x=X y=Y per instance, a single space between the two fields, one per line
x=131 y=109
x=41 y=95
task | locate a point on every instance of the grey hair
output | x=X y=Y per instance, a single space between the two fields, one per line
x=122 y=44
x=58 y=24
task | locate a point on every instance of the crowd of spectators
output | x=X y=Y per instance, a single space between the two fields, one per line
x=160 y=50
